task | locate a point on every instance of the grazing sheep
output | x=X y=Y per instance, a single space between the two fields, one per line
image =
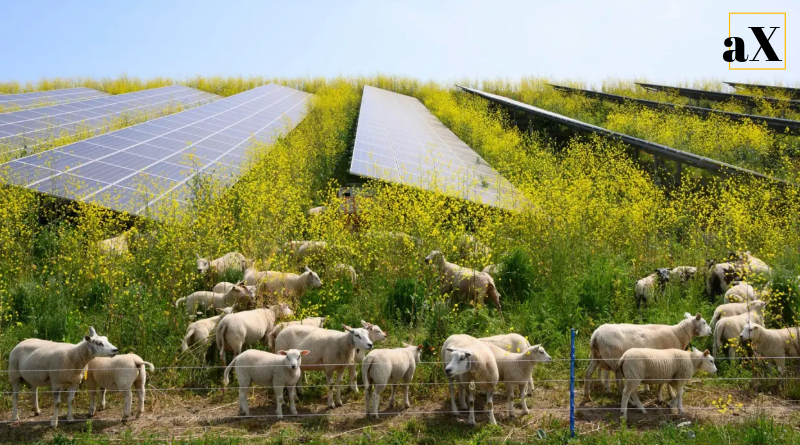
x=344 y=270
x=388 y=367
x=472 y=362
x=648 y=287
x=471 y=247
x=118 y=374
x=331 y=351
x=492 y=269
x=200 y=330
x=682 y=274
x=285 y=284
x=299 y=250
x=774 y=344
x=216 y=268
x=720 y=276
x=225 y=286
x=204 y=300
x=315 y=211
x=515 y=370
x=730 y=327
x=731 y=309
x=469 y=283
x=741 y=292
x=610 y=341
x=751 y=266
x=58 y=365
x=237 y=331
x=279 y=370
x=316 y=322
x=114 y=246
x=376 y=334
x=659 y=366
x=513 y=343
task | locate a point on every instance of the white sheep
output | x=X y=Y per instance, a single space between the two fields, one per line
x=283 y=284
x=610 y=341
x=58 y=365
x=237 y=331
x=383 y=367
x=740 y=292
x=316 y=322
x=114 y=246
x=469 y=283
x=316 y=211
x=730 y=327
x=471 y=362
x=511 y=342
x=515 y=370
x=492 y=269
x=731 y=309
x=774 y=344
x=218 y=267
x=471 y=247
x=240 y=296
x=682 y=274
x=118 y=373
x=720 y=276
x=659 y=366
x=279 y=371
x=648 y=288
x=751 y=266
x=300 y=250
x=200 y=330
x=346 y=271
x=376 y=334
x=331 y=351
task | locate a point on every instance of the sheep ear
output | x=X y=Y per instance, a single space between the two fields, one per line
x=467 y=354
x=220 y=310
x=705 y=353
x=687 y=315
x=197 y=255
x=695 y=349
x=419 y=347
x=346 y=328
x=698 y=316
x=281 y=352
x=306 y=268
x=365 y=324
x=92 y=332
x=304 y=352
x=87 y=338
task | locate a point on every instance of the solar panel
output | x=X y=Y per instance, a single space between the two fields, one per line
x=163 y=162
x=399 y=140
x=24 y=101
x=31 y=128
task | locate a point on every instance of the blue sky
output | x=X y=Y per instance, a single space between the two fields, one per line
x=667 y=40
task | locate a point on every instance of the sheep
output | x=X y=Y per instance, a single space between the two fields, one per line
x=650 y=286
x=345 y=270
x=731 y=309
x=315 y=211
x=469 y=283
x=492 y=269
x=388 y=367
x=731 y=327
x=331 y=351
x=118 y=373
x=511 y=342
x=610 y=341
x=376 y=334
x=200 y=330
x=682 y=274
x=216 y=268
x=751 y=266
x=286 y=284
x=279 y=370
x=299 y=250
x=237 y=295
x=243 y=329
x=740 y=292
x=515 y=370
x=225 y=286
x=720 y=276
x=470 y=246
x=774 y=344
x=472 y=362
x=59 y=365
x=317 y=322
x=114 y=246
x=659 y=366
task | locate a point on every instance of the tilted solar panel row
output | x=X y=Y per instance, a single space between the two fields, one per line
x=24 y=101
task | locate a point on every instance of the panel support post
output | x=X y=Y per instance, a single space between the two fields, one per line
x=572 y=383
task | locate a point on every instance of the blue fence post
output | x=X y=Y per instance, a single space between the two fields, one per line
x=572 y=383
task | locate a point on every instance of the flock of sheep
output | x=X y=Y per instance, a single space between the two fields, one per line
x=649 y=354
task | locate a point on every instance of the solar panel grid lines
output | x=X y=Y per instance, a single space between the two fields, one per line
x=399 y=140
x=25 y=101
x=22 y=130
x=132 y=169
x=693 y=93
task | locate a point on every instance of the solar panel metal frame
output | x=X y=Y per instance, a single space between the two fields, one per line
x=46 y=98
x=93 y=170
x=399 y=140
x=795 y=92
x=720 y=97
x=653 y=148
x=772 y=122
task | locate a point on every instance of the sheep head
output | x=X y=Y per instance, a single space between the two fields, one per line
x=99 y=346
x=459 y=362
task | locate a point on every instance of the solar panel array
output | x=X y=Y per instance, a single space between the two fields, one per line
x=161 y=161
x=31 y=128
x=399 y=140
x=24 y=101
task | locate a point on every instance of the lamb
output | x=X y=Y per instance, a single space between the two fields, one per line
x=280 y=370
x=682 y=274
x=657 y=366
x=200 y=330
x=775 y=344
x=610 y=341
x=225 y=286
x=469 y=283
x=515 y=370
x=316 y=322
x=345 y=270
x=513 y=343
x=218 y=267
x=648 y=287
x=118 y=374
x=731 y=309
x=243 y=329
x=720 y=276
x=731 y=327
x=279 y=283
x=60 y=365
x=388 y=367
x=331 y=351
x=316 y=211
x=741 y=292
x=472 y=362
x=299 y=250
x=376 y=334
x=203 y=300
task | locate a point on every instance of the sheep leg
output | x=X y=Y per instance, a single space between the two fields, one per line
x=70 y=398
x=524 y=399
x=339 y=378
x=92 y=396
x=329 y=376
x=35 y=400
x=292 y=396
x=244 y=388
x=471 y=397
x=680 y=399
x=406 y=389
x=126 y=397
x=391 y=397
x=605 y=376
x=15 y=399
x=377 y=389
x=279 y=400
x=299 y=384
x=462 y=388
x=638 y=402
x=630 y=387
x=56 y=402
x=103 y=399
x=587 y=383
x=510 y=388
x=452 y=398
x=351 y=377
x=490 y=406
x=140 y=392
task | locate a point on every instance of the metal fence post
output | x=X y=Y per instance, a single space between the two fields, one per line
x=572 y=383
